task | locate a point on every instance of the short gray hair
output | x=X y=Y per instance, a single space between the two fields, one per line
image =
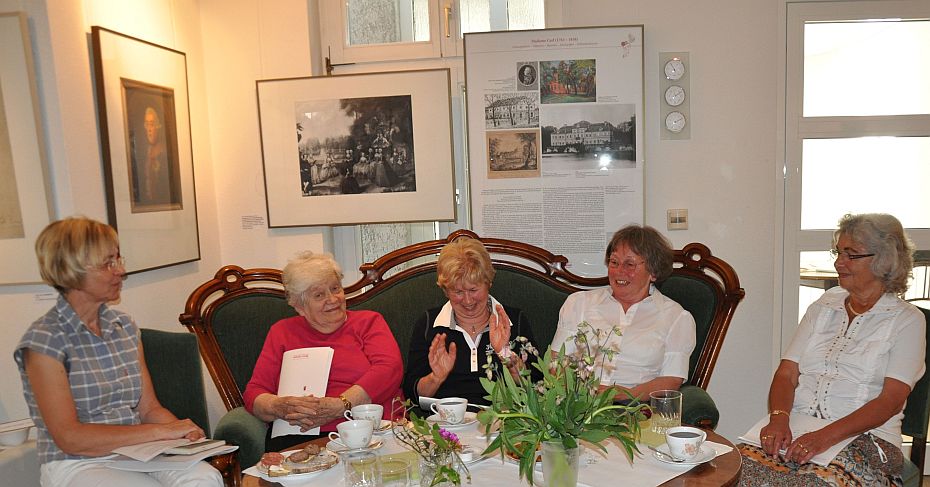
x=305 y=270
x=883 y=235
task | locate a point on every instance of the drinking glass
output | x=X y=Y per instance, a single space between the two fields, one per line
x=395 y=471
x=362 y=469
x=666 y=410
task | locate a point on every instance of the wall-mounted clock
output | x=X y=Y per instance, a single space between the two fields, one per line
x=675 y=122
x=675 y=95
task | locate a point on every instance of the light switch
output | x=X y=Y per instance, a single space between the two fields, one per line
x=677 y=219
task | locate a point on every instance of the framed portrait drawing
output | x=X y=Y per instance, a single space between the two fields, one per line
x=25 y=208
x=360 y=148
x=145 y=134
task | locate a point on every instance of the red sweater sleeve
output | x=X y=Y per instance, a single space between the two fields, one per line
x=268 y=366
x=382 y=378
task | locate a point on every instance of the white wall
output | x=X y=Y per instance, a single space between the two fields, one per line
x=725 y=174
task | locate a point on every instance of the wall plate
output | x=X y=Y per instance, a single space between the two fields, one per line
x=674 y=71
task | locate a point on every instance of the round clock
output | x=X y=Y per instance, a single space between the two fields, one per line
x=674 y=69
x=675 y=122
x=675 y=95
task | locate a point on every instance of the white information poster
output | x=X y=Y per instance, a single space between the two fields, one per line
x=555 y=137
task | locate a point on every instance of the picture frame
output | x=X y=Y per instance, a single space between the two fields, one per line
x=25 y=205
x=368 y=148
x=555 y=137
x=145 y=135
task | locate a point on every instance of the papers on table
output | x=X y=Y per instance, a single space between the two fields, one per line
x=152 y=457
x=799 y=424
x=304 y=372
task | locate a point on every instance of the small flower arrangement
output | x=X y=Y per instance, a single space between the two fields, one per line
x=520 y=346
x=437 y=447
x=566 y=406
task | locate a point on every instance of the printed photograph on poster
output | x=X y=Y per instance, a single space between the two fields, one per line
x=355 y=146
x=568 y=81
x=152 y=139
x=511 y=110
x=513 y=154
x=527 y=76
x=589 y=136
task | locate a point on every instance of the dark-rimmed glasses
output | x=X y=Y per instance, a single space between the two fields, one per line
x=837 y=253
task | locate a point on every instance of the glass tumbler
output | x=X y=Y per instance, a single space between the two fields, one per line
x=666 y=410
x=395 y=471
x=362 y=469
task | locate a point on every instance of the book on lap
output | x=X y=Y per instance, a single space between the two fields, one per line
x=304 y=372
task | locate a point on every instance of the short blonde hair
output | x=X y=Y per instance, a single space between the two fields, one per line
x=464 y=260
x=883 y=235
x=68 y=248
x=305 y=270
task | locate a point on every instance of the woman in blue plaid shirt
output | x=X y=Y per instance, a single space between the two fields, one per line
x=83 y=369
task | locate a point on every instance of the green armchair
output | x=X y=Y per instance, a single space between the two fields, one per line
x=174 y=366
x=231 y=314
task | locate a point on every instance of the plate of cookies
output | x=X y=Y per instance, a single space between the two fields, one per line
x=294 y=464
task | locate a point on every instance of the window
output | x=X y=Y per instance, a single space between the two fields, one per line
x=382 y=30
x=857 y=132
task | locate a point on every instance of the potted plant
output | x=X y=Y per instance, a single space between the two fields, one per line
x=563 y=408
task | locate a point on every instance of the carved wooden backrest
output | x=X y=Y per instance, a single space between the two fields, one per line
x=232 y=312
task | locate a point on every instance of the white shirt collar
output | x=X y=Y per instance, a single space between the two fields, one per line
x=444 y=318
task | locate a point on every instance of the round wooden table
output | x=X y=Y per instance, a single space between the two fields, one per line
x=721 y=471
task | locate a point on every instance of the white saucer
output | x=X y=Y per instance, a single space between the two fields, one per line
x=385 y=427
x=470 y=418
x=705 y=455
x=337 y=446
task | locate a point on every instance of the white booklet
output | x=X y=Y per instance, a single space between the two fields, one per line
x=167 y=462
x=304 y=372
x=799 y=424
x=144 y=452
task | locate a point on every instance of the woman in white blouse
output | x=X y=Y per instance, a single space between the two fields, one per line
x=854 y=358
x=658 y=335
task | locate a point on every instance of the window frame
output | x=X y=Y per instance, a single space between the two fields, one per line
x=795 y=128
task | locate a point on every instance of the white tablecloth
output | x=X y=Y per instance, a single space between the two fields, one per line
x=596 y=468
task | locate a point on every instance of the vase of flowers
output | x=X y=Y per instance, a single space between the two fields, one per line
x=438 y=448
x=566 y=406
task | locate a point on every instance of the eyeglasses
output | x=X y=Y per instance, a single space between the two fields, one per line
x=626 y=266
x=113 y=264
x=837 y=253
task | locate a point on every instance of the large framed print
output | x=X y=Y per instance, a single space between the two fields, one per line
x=357 y=148
x=145 y=134
x=555 y=137
x=25 y=208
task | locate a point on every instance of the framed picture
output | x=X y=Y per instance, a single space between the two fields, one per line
x=25 y=208
x=555 y=137
x=145 y=134
x=362 y=148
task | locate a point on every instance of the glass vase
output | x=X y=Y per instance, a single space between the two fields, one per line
x=429 y=470
x=560 y=464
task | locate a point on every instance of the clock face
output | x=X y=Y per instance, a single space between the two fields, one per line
x=675 y=95
x=675 y=122
x=674 y=69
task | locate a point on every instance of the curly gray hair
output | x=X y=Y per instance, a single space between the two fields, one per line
x=305 y=270
x=883 y=235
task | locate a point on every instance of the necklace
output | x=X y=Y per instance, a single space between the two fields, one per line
x=852 y=309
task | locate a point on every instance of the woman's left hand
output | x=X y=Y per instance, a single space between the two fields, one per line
x=806 y=446
x=319 y=411
x=500 y=329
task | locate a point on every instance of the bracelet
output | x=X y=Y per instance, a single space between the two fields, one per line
x=345 y=402
x=776 y=412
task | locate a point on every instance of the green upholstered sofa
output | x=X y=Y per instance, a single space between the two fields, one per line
x=232 y=313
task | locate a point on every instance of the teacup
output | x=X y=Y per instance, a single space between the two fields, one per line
x=353 y=434
x=684 y=442
x=369 y=412
x=451 y=409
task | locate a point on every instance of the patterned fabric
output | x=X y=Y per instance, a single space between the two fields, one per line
x=104 y=372
x=859 y=464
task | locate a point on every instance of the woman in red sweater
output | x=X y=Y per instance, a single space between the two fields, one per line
x=366 y=366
